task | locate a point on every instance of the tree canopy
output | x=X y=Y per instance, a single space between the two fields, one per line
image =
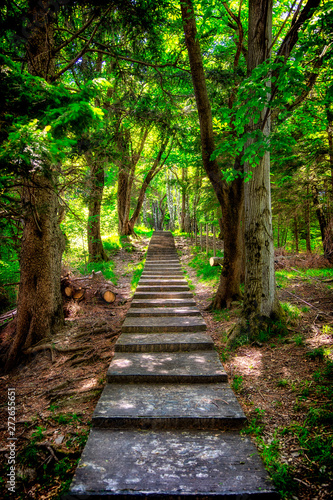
x=102 y=106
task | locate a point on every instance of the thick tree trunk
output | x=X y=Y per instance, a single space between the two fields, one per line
x=261 y=304
x=39 y=310
x=229 y=288
x=96 y=181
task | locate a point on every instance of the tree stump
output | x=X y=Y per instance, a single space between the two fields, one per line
x=216 y=261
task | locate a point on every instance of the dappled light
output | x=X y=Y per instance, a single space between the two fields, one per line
x=166 y=249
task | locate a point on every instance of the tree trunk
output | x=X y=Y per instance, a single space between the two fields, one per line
x=319 y=212
x=96 y=181
x=39 y=311
x=128 y=162
x=183 y=210
x=155 y=169
x=229 y=287
x=296 y=234
x=307 y=221
x=261 y=304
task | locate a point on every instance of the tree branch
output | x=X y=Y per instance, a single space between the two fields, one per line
x=74 y=35
x=83 y=50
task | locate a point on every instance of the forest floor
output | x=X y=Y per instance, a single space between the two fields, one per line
x=277 y=383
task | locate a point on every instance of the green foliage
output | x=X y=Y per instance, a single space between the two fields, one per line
x=283 y=382
x=204 y=270
x=143 y=232
x=317 y=353
x=66 y=418
x=299 y=340
x=9 y=273
x=221 y=315
x=255 y=425
x=237 y=383
x=137 y=271
x=292 y=311
x=111 y=244
x=107 y=269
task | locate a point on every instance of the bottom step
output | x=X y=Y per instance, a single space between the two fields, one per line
x=170 y=465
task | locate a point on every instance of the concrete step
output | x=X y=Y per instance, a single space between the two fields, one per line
x=163 y=262
x=163 y=311
x=156 y=406
x=163 y=342
x=165 y=274
x=170 y=465
x=161 y=281
x=178 y=302
x=175 y=367
x=163 y=295
x=161 y=324
x=162 y=288
x=162 y=269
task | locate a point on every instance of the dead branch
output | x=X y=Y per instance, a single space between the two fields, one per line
x=307 y=303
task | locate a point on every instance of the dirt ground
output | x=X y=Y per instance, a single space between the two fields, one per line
x=56 y=389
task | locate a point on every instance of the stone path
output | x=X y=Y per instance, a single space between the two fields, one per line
x=167 y=423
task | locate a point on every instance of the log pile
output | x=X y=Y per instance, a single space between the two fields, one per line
x=88 y=287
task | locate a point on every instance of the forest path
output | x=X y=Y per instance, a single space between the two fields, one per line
x=167 y=423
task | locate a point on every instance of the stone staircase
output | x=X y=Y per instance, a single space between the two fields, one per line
x=167 y=423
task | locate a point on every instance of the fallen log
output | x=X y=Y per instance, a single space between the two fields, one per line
x=216 y=261
x=8 y=316
x=71 y=289
x=107 y=295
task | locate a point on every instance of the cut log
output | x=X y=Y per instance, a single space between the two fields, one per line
x=79 y=294
x=107 y=295
x=68 y=291
x=216 y=261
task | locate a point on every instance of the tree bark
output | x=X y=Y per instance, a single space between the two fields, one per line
x=229 y=287
x=319 y=212
x=183 y=210
x=307 y=221
x=296 y=234
x=96 y=187
x=261 y=304
x=39 y=311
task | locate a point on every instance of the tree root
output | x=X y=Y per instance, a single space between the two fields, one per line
x=73 y=392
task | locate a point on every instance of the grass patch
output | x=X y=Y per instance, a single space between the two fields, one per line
x=107 y=269
x=280 y=473
x=292 y=312
x=111 y=244
x=137 y=270
x=143 y=232
x=205 y=272
x=237 y=383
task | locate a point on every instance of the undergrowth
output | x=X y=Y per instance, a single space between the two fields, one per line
x=49 y=465
x=137 y=270
x=312 y=435
x=204 y=270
